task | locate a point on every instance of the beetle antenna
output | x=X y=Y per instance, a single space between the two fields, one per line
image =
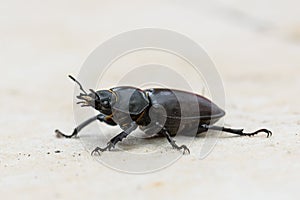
x=92 y=91
x=80 y=86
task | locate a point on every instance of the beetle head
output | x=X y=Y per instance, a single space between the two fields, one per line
x=100 y=100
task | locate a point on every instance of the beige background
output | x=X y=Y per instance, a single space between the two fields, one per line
x=255 y=46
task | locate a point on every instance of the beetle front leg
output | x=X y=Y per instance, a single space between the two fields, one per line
x=101 y=117
x=107 y=119
x=237 y=131
x=111 y=144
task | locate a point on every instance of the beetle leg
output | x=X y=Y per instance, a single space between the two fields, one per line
x=237 y=131
x=174 y=145
x=107 y=119
x=97 y=150
x=165 y=132
x=59 y=134
x=111 y=144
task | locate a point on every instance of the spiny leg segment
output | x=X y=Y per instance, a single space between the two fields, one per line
x=237 y=131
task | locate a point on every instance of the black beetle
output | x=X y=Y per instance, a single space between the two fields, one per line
x=155 y=111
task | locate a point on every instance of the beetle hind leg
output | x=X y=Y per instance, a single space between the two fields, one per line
x=237 y=131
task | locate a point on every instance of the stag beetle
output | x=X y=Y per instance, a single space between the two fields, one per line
x=131 y=107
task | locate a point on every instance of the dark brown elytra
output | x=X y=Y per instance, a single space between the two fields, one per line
x=156 y=111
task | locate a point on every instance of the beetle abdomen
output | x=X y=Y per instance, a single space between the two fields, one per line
x=182 y=104
x=184 y=111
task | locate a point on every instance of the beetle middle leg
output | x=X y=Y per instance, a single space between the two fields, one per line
x=111 y=144
x=165 y=133
x=236 y=131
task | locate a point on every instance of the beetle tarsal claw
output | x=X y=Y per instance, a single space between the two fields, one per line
x=59 y=134
x=268 y=132
x=98 y=150
x=185 y=149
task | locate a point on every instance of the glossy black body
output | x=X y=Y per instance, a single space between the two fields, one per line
x=156 y=111
x=180 y=112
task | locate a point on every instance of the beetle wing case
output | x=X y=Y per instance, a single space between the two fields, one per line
x=185 y=105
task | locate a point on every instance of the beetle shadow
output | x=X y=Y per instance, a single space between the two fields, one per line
x=146 y=144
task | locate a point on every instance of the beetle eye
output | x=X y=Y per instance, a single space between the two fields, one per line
x=105 y=103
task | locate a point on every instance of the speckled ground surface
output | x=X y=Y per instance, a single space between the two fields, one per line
x=255 y=46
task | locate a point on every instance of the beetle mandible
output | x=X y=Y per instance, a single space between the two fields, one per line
x=130 y=107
